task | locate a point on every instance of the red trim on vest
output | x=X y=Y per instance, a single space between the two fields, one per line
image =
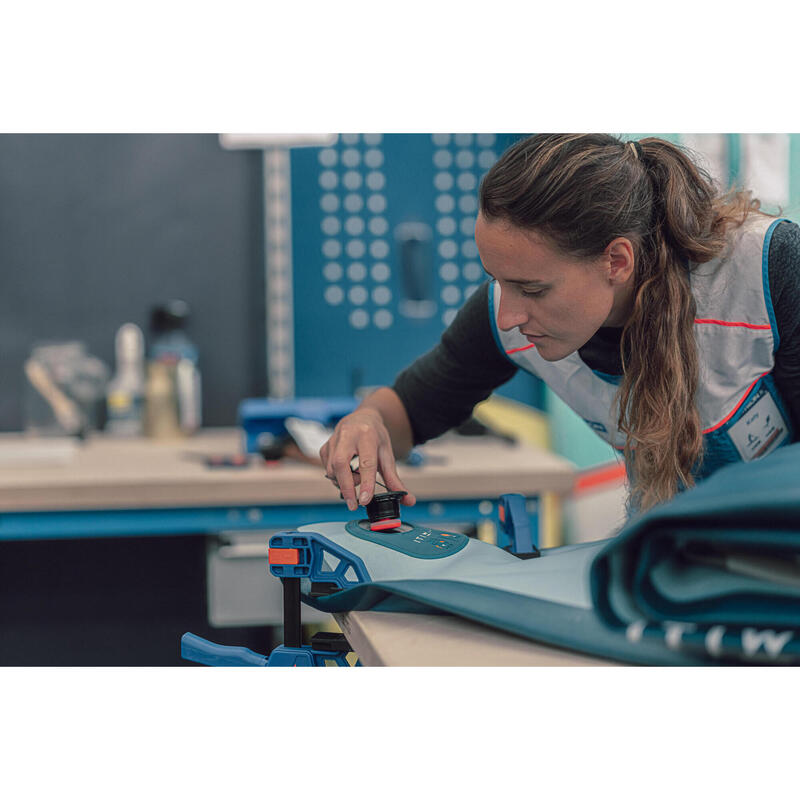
x=732 y=324
x=517 y=349
x=607 y=474
x=736 y=408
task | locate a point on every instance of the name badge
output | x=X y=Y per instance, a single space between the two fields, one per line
x=760 y=429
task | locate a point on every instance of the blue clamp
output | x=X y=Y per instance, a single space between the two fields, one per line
x=195 y=648
x=348 y=569
x=293 y=556
x=514 y=533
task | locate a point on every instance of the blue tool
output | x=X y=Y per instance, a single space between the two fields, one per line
x=293 y=557
x=260 y=417
x=514 y=534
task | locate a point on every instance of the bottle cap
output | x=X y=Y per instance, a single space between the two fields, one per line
x=169 y=316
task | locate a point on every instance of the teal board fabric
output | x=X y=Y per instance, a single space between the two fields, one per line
x=716 y=570
x=546 y=599
x=712 y=577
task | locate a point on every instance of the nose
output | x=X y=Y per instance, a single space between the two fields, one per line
x=510 y=314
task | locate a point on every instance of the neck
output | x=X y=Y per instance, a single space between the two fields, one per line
x=622 y=307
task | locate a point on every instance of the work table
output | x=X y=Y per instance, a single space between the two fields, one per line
x=118 y=473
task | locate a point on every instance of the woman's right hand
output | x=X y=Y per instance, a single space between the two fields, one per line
x=363 y=434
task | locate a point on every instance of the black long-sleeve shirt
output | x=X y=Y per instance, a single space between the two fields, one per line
x=440 y=389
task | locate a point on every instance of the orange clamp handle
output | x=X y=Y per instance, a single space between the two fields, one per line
x=283 y=555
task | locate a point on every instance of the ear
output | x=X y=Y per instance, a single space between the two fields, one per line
x=621 y=260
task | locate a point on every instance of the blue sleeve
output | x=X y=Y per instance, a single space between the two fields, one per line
x=784 y=286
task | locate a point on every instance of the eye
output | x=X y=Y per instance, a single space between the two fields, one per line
x=532 y=293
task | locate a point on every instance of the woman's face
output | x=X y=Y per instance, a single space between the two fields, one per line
x=556 y=301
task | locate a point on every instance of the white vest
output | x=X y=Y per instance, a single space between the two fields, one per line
x=741 y=413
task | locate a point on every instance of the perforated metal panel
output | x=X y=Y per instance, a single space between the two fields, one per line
x=384 y=252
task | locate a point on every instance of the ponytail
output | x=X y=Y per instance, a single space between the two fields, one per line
x=664 y=442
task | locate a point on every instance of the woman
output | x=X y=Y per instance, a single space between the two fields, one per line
x=666 y=315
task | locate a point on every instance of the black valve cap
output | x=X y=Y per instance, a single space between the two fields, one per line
x=384 y=508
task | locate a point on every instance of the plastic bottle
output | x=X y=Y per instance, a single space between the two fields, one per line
x=161 y=402
x=171 y=345
x=125 y=391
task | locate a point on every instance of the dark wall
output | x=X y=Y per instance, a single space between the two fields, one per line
x=95 y=229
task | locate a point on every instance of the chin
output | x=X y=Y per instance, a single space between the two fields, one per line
x=551 y=353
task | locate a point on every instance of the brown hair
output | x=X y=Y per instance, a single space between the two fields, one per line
x=584 y=190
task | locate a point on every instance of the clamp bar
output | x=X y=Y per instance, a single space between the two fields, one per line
x=292 y=632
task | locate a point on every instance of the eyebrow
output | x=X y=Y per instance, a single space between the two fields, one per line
x=529 y=282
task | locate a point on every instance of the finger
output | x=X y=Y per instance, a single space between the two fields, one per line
x=392 y=480
x=344 y=478
x=326 y=454
x=335 y=482
x=368 y=468
x=332 y=479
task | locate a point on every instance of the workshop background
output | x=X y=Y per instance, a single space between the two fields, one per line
x=312 y=267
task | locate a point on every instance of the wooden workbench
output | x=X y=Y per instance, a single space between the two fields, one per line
x=383 y=639
x=107 y=473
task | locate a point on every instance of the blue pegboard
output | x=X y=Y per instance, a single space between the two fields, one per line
x=357 y=320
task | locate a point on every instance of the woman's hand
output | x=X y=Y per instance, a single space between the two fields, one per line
x=361 y=434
